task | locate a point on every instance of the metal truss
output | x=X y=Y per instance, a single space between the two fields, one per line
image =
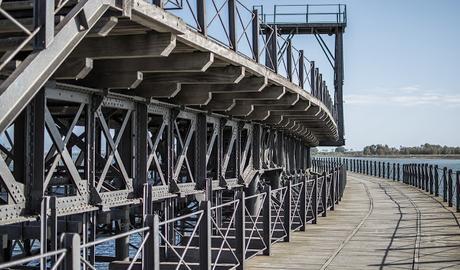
x=106 y=166
x=127 y=179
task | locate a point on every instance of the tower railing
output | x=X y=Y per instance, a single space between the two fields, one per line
x=250 y=33
x=295 y=14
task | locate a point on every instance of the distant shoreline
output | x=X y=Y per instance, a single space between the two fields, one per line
x=390 y=156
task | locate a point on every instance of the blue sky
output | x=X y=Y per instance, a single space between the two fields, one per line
x=401 y=70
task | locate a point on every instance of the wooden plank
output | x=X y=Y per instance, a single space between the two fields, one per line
x=404 y=228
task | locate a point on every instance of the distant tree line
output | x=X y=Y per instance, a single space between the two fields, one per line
x=424 y=149
x=385 y=150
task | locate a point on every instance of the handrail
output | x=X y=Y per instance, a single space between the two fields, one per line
x=60 y=252
x=290 y=203
x=114 y=237
x=339 y=12
x=431 y=178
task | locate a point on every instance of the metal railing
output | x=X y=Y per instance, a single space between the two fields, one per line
x=41 y=258
x=230 y=227
x=255 y=243
x=247 y=32
x=320 y=13
x=431 y=178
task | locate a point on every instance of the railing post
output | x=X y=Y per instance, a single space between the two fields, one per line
x=71 y=242
x=303 y=202
x=271 y=54
x=232 y=24
x=457 y=191
x=427 y=178
x=201 y=16
x=240 y=229
x=388 y=170
x=449 y=192
x=289 y=60
x=151 y=252
x=266 y=220
x=399 y=178
x=333 y=191
x=412 y=174
x=324 y=194
x=301 y=69
x=287 y=212
x=44 y=232
x=255 y=35
x=420 y=176
x=158 y=3
x=380 y=169
x=205 y=236
x=430 y=176
x=313 y=83
x=315 y=200
x=394 y=171
x=444 y=183
x=436 y=181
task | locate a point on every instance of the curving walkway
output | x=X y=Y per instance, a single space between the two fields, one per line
x=379 y=224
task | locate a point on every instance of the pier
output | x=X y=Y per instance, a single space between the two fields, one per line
x=380 y=224
x=172 y=134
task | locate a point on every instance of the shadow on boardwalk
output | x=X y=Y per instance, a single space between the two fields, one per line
x=379 y=224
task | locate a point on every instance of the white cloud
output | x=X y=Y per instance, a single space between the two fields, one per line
x=403 y=96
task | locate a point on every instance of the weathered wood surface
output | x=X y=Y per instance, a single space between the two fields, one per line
x=379 y=224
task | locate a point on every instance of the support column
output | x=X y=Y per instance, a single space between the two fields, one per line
x=338 y=83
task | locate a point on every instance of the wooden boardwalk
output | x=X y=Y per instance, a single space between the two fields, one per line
x=379 y=224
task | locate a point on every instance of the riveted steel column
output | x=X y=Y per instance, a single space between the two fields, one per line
x=35 y=139
x=44 y=19
x=141 y=149
x=200 y=154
